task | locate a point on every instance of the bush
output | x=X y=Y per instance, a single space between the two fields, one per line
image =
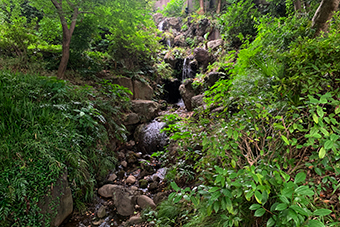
x=174 y=8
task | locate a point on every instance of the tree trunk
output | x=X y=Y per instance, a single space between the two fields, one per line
x=201 y=7
x=323 y=14
x=297 y=5
x=65 y=54
x=67 y=34
x=219 y=3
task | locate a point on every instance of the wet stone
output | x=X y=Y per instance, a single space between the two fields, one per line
x=124 y=164
x=112 y=177
x=143 y=183
x=101 y=212
x=131 y=180
x=153 y=186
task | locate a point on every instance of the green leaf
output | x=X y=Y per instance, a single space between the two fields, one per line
x=264 y=197
x=304 y=190
x=324 y=131
x=281 y=206
x=258 y=197
x=175 y=187
x=322 y=152
x=216 y=206
x=255 y=206
x=285 y=139
x=299 y=210
x=320 y=111
x=214 y=189
x=292 y=215
x=337 y=110
x=315 y=118
x=300 y=177
x=315 y=223
x=270 y=222
x=328 y=144
x=322 y=212
x=260 y=212
x=194 y=200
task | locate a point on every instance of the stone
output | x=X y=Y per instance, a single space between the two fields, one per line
x=59 y=202
x=214 y=34
x=157 y=17
x=213 y=77
x=101 y=212
x=131 y=119
x=99 y=222
x=112 y=177
x=125 y=82
x=131 y=157
x=121 y=155
x=143 y=183
x=174 y=23
x=156 y=178
x=187 y=92
x=139 y=154
x=107 y=190
x=142 y=90
x=144 y=201
x=124 y=202
x=134 y=220
x=159 y=197
x=197 y=101
x=145 y=109
x=179 y=41
x=124 y=164
x=131 y=180
x=202 y=27
x=134 y=188
x=203 y=57
x=153 y=186
x=215 y=44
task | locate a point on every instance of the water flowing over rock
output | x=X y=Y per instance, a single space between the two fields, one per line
x=190 y=68
x=149 y=138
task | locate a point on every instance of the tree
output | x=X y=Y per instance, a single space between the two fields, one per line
x=323 y=14
x=219 y=4
x=201 y=11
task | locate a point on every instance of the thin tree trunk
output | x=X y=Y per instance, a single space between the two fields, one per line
x=297 y=5
x=67 y=34
x=323 y=14
x=201 y=7
x=219 y=3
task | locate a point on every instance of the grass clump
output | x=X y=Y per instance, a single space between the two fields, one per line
x=48 y=127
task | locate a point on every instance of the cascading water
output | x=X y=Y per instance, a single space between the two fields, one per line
x=160 y=26
x=149 y=137
x=188 y=71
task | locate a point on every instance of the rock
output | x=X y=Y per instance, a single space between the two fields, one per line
x=179 y=41
x=131 y=119
x=159 y=197
x=99 y=222
x=58 y=202
x=121 y=155
x=139 y=154
x=156 y=178
x=187 y=92
x=124 y=164
x=112 y=177
x=125 y=82
x=121 y=174
x=146 y=109
x=172 y=94
x=134 y=188
x=149 y=138
x=131 y=180
x=202 y=27
x=214 y=34
x=123 y=201
x=107 y=190
x=203 y=58
x=101 y=212
x=131 y=157
x=157 y=17
x=197 y=101
x=213 y=77
x=215 y=44
x=153 y=186
x=130 y=144
x=143 y=201
x=143 y=183
x=134 y=220
x=174 y=23
x=142 y=90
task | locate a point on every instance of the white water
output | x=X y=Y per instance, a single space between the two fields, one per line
x=160 y=26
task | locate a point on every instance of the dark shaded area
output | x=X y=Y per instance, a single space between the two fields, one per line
x=171 y=94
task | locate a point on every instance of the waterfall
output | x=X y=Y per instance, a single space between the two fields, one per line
x=160 y=26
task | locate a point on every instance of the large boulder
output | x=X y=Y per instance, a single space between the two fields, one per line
x=124 y=202
x=174 y=23
x=107 y=190
x=59 y=204
x=145 y=109
x=125 y=82
x=214 y=44
x=197 y=101
x=157 y=17
x=149 y=138
x=203 y=57
x=131 y=119
x=187 y=92
x=213 y=77
x=143 y=201
x=179 y=41
x=142 y=90
x=202 y=27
